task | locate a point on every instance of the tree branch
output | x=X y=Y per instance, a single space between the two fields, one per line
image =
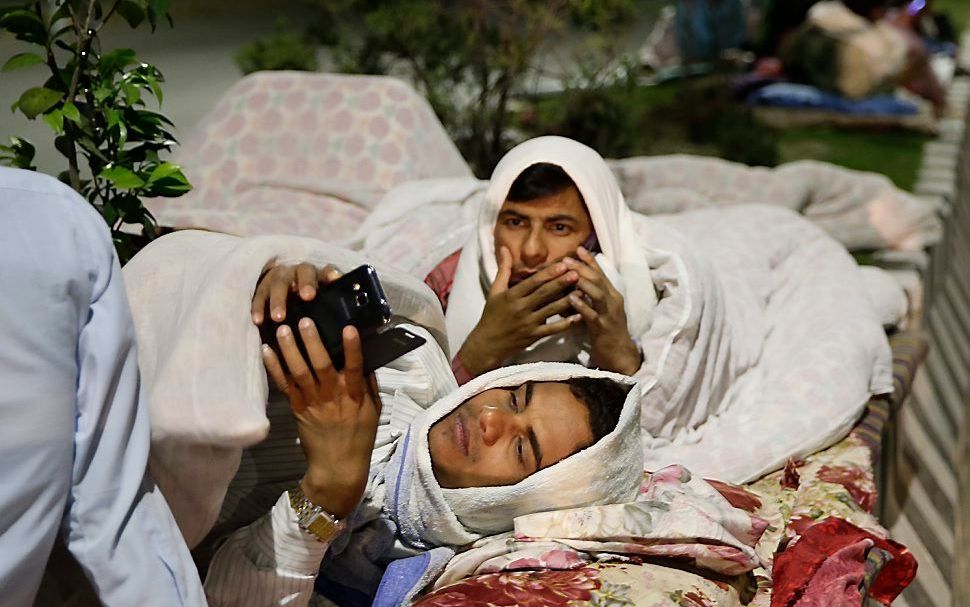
x=82 y=50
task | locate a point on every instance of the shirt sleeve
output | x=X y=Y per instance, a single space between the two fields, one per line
x=269 y=562
x=462 y=374
x=117 y=523
x=442 y=278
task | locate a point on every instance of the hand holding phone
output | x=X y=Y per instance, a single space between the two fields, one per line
x=354 y=299
x=336 y=413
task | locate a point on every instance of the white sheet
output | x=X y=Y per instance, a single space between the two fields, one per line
x=764 y=345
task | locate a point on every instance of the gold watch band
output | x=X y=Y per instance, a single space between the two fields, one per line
x=313 y=518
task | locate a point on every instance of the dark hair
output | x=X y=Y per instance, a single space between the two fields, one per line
x=604 y=398
x=539 y=181
x=865 y=8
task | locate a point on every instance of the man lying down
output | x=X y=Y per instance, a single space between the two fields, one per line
x=524 y=439
x=352 y=471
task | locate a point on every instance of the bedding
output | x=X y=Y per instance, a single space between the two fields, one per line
x=307 y=154
x=314 y=154
x=792 y=95
x=863 y=211
x=825 y=497
x=757 y=305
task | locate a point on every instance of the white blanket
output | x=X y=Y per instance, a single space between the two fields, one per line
x=794 y=351
x=199 y=354
x=764 y=344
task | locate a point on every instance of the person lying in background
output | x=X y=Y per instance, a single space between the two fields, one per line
x=516 y=441
x=858 y=49
x=74 y=427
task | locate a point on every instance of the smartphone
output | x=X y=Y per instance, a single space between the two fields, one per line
x=356 y=298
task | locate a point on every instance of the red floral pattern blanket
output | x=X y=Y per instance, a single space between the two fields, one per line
x=822 y=546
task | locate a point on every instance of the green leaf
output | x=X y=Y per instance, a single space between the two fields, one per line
x=63 y=145
x=132 y=93
x=156 y=90
x=170 y=187
x=166 y=169
x=115 y=61
x=37 y=100
x=55 y=120
x=112 y=116
x=24 y=25
x=71 y=112
x=102 y=92
x=122 y=134
x=122 y=178
x=19 y=154
x=159 y=6
x=20 y=61
x=133 y=11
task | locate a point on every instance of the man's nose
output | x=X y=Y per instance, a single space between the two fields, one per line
x=534 y=250
x=493 y=423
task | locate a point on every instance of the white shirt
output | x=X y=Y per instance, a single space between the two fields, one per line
x=74 y=428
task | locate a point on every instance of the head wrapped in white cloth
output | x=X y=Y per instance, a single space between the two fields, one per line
x=621 y=254
x=609 y=471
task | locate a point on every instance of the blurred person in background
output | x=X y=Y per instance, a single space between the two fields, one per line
x=856 y=48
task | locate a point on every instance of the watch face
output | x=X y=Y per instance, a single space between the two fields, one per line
x=323 y=526
x=314 y=519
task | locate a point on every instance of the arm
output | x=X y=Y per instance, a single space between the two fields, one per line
x=275 y=560
x=118 y=525
x=269 y=562
x=604 y=313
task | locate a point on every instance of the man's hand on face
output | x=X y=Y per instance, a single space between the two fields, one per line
x=336 y=414
x=515 y=317
x=601 y=307
x=279 y=281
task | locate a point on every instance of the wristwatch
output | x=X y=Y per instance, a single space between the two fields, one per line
x=313 y=518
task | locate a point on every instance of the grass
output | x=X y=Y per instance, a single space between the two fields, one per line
x=959 y=11
x=896 y=154
x=694 y=118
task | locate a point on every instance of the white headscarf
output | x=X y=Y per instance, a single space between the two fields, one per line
x=608 y=471
x=622 y=257
x=406 y=511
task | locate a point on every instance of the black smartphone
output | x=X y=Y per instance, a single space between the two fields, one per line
x=356 y=298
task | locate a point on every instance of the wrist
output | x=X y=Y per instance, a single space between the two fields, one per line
x=322 y=493
x=625 y=360
x=476 y=357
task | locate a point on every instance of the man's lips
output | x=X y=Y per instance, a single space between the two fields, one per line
x=461 y=434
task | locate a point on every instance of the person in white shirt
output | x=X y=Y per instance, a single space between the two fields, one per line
x=74 y=428
x=514 y=441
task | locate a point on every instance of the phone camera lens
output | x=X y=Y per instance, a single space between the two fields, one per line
x=361 y=299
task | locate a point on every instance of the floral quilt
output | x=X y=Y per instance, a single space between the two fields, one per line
x=696 y=567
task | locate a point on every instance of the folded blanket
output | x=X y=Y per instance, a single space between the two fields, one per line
x=677 y=515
